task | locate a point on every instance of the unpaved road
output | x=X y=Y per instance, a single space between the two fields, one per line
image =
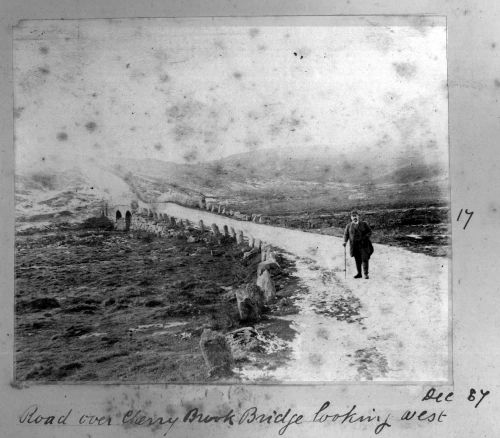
x=392 y=327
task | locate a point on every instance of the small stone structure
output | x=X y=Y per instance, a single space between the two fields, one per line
x=239 y=238
x=265 y=282
x=216 y=353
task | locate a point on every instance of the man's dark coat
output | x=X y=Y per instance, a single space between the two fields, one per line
x=359 y=239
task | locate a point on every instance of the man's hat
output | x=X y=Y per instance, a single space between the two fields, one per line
x=354 y=213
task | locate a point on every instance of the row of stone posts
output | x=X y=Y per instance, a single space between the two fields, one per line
x=226 y=211
x=251 y=300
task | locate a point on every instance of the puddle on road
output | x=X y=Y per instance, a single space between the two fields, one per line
x=343 y=309
x=370 y=363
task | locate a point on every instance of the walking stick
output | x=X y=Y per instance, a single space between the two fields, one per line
x=345 y=264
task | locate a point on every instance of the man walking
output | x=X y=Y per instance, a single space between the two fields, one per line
x=358 y=234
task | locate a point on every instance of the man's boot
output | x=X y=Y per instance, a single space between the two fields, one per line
x=365 y=269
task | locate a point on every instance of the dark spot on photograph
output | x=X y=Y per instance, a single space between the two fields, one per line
x=62 y=136
x=237 y=75
x=497 y=82
x=164 y=77
x=44 y=70
x=91 y=126
x=18 y=111
x=252 y=144
x=253 y=32
x=316 y=359
x=275 y=129
x=253 y=115
x=182 y=131
x=190 y=155
x=44 y=50
x=158 y=146
x=346 y=165
x=406 y=70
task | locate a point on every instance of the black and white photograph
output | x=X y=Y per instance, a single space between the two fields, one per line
x=220 y=200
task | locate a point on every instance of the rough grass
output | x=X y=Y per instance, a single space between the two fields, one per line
x=96 y=305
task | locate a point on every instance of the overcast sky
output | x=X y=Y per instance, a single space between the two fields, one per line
x=176 y=92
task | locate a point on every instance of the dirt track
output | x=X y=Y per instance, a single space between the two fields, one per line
x=401 y=331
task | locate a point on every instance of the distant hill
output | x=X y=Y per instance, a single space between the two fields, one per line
x=288 y=179
x=319 y=165
x=267 y=180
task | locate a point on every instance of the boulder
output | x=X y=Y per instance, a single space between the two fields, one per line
x=247 y=308
x=272 y=257
x=265 y=250
x=267 y=265
x=216 y=353
x=215 y=230
x=201 y=226
x=192 y=239
x=243 y=341
x=257 y=244
x=250 y=253
x=239 y=238
x=265 y=282
x=250 y=301
x=256 y=294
